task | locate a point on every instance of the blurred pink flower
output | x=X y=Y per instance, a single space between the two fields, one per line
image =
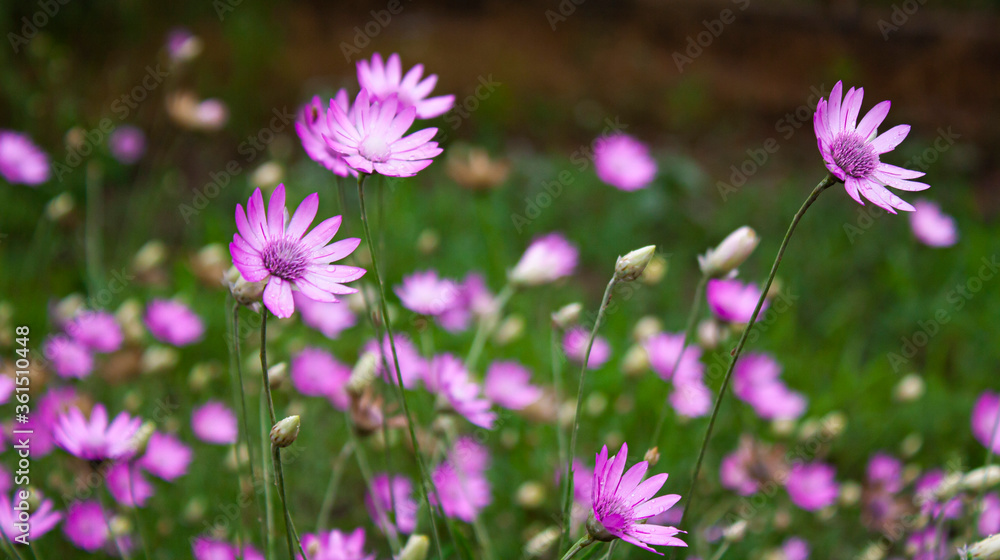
x=448 y=377
x=182 y=45
x=691 y=398
x=462 y=488
x=97 y=330
x=624 y=162
x=69 y=358
x=732 y=300
x=42 y=423
x=211 y=114
x=6 y=389
x=922 y=544
x=268 y=248
x=173 y=322
x=734 y=471
x=312 y=125
x=812 y=486
x=851 y=149
x=85 y=526
x=127 y=144
x=583 y=487
x=412 y=365
x=931 y=226
x=6 y=480
x=575 y=347
x=370 y=137
x=663 y=350
x=756 y=380
x=43 y=516
x=336 y=545
x=989 y=519
x=329 y=318
x=473 y=299
x=130 y=493
x=213 y=422
x=426 y=294
x=984 y=420
x=315 y=372
x=886 y=472
x=929 y=505
x=166 y=456
x=547 y=259
x=385 y=80
x=509 y=385
x=385 y=491
x=21 y=161
x=206 y=548
x=795 y=548
x=95 y=439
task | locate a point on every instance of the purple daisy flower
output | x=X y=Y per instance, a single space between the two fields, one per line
x=97 y=330
x=851 y=149
x=448 y=377
x=624 y=162
x=85 y=526
x=213 y=422
x=931 y=226
x=385 y=80
x=127 y=144
x=386 y=491
x=95 y=439
x=311 y=126
x=812 y=486
x=509 y=385
x=329 y=318
x=21 y=161
x=315 y=372
x=462 y=488
x=371 y=138
x=173 y=322
x=548 y=258
x=69 y=358
x=269 y=249
x=984 y=420
x=336 y=545
x=166 y=457
x=623 y=502
x=43 y=517
x=426 y=294
x=732 y=300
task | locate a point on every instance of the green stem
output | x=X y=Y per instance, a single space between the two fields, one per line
x=486 y=326
x=107 y=523
x=611 y=550
x=236 y=372
x=263 y=367
x=13 y=548
x=366 y=474
x=291 y=535
x=568 y=497
x=92 y=228
x=827 y=181
x=721 y=551
x=688 y=335
x=130 y=469
x=584 y=541
x=265 y=441
x=331 y=489
x=424 y=475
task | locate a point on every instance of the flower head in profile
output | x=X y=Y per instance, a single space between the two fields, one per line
x=623 y=501
x=21 y=161
x=97 y=330
x=448 y=377
x=311 y=125
x=812 y=486
x=282 y=253
x=548 y=258
x=86 y=526
x=383 y=80
x=931 y=226
x=388 y=492
x=94 y=439
x=173 y=322
x=166 y=456
x=69 y=357
x=127 y=485
x=336 y=545
x=213 y=422
x=370 y=137
x=624 y=162
x=316 y=372
x=427 y=294
x=851 y=149
x=43 y=516
x=732 y=300
x=509 y=385
x=575 y=347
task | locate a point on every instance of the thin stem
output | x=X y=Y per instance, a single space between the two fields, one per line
x=688 y=335
x=568 y=497
x=424 y=476
x=721 y=551
x=611 y=550
x=263 y=366
x=265 y=432
x=13 y=548
x=107 y=522
x=92 y=228
x=236 y=371
x=291 y=536
x=331 y=489
x=130 y=471
x=579 y=545
x=486 y=326
x=823 y=185
x=366 y=475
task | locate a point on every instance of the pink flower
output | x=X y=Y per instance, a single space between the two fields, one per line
x=851 y=149
x=886 y=472
x=691 y=398
x=795 y=549
x=509 y=385
x=575 y=347
x=426 y=294
x=756 y=380
x=312 y=126
x=922 y=544
x=547 y=259
x=211 y=114
x=336 y=545
x=329 y=318
x=173 y=322
x=984 y=420
x=622 y=502
x=385 y=80
x=379 y=501
x=663 y=350
x=127 y=144
x=43 y=421
x=989 y=519
x=69 y=358
x=21 y=161
x=474 y=299
x=931 y=226
x=623 y=162
x=316 y=373
x=462 y=488
x=43 y=517
x=182 y=44
x=214 y=423
x=448 y=377
x=812 y=486
x=583 y=486
x=132 y=493
x=6 y=388
x=734 y=471
x=371 y=138
x=85 y=526
x=266 y=248
x=97 y=330
x=166 y=456
x=205 y=548
x=924 y=496
x=412 y=365
x=95 y=439
x=732 y=300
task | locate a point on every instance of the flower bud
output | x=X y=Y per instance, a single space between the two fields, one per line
x=510 y=329
x=655 y=271
x=646 y=327
x=59 y=207
x=363 y=374
x=151 y=255
x=416 y=548
x=158 y=359
x=736 y=531
x=652 y=456
x=268 y=175
x=428 y=241
x=987 y=549
x=141 y=438
x=636 y=361
x=709 y=334
x=245 y=293
x=539 y=544
x=531 y=494
x=909 y=388
x=276 y=374
x=730 y=254
x=567 y=315
x=630 y=266
x=285 y=432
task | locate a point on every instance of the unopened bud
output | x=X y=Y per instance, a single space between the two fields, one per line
x=120 y=526
x=510 y=329
x=910 y=445
x=150 y=256
x=285 y=432
x=531 y=494
x=158 y=359
x=735 y=532
x=567 y=316
x=652 y=455
x=268 y=175
x=729 y=254
x=646 y=327
x=416 y=548
x=245 y=293
x=540 y=544
x=632 y=265
x=276 y=374
x=363 y=374
x=655 y=271
x=59 y=207
x=834 y=423
x=909 y=388
x=987 y=549
x=428 y=241
x=636 y=361
x=850 y=493
x=709 y=334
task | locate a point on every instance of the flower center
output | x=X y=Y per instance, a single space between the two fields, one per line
x=854 y=155
x=612 y=513
x=374 y=148
x=285 y=258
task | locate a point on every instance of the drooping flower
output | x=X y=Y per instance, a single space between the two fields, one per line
x=371 y=138
x=213 y=422
x=732 y=300
x=127 y=144
x=462 y=488
x=447 y=376
x=329 y=318
x=268 y=248
x=575 y=347
x=509 y=385
x=69 y=358
x=311 y=126
x=336 y=545
x=43 y=517
x=547 y=259
x=166 y=456
x=623 y=501
x=756 y=380
x=95 y=439
x=97 y=330
x=427 y=294
x=385 y=80
x=21 y=162
x=984 y=420
x=412 y=365
x=85 y=525
x=624 y=162
x=387 y=491
x=207 y=548
x=173 y=322
x=851 y=149
x=131 y=493
x=931 y=226
x=812 y=486
x=317 y=373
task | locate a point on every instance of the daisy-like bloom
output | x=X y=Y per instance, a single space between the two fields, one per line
x=575 y=347
x=385 y=80
x=460 y=481
x=42 y=423
x=166 y=457
x=448 y=377
x=624 y=162
x=380 y=501
x=795 y=548
x=412 y=365
x=43 y=517
x=69 y=358
x=173 y=322
x=851 y=149
x=85 y=526
x=931 y=226
x=329 y=318
x=509 y=385
x=756 y=381
x=812 y=486
x=622 y=502
x=989 y=519
x=95 y=439
x=426 y=294
x=97 y=330
x=317 y=373
x=127 y=144
x=547 y=259
x=733 y=301
x=984 y=420
x=371 y=138
x=311 y=126
x=336 y=545
x=205 y=548
x=266 y=248
x=21 y=162
x=213 y=422
x=131 y=493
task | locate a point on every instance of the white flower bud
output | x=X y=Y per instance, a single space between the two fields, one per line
x=285 y=432
x=245 y=293
x=538 y=545
x=364 y=373
x=630 y=266
x=909 y=388
x=987 y=549
x=731 y=253
x=416 y=548
x=568 y=315
x=530 y=494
